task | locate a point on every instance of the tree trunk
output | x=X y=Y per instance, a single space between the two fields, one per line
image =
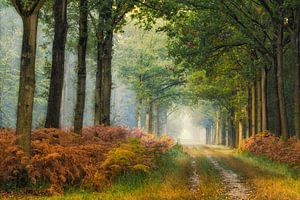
x=217 y=129
x=27 y=82
x=253 y=108
x=58 y=65
x=237 y=133
x=240 y=133
x=206 y=135
x=232 y=130
x=99 y=76
x=264 y=99
x=154 y=116
x=148 y=113
x=259 y=105
x=27 y=73
x=282 y=105
x=139 y=112
x=81 y=82
x=157 y=119
x=297 y=76
x=248 y=113
x=64 y=100
x=221 y=130
x=107 y=78
x=227 y=133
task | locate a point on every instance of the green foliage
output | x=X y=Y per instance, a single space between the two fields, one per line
x=143 y=63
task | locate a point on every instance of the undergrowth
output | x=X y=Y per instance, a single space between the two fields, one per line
x=158 y=184
x=274 y=148
x=61 y=159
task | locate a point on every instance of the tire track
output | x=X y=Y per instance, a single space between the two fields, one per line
x=235 y=188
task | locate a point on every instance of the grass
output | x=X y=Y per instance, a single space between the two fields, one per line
x=210 y=187
x=269 y=180
x=266 y=164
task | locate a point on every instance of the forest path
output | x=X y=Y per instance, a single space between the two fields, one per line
x=210 y=179
x=224 y=173
x=233 y=183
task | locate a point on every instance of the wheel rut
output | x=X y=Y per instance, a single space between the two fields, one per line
x=233 y=184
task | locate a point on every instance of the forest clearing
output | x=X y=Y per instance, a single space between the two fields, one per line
x=150 y=99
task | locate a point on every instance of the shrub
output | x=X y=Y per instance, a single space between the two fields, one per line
x=61 y=158
x=268 y=145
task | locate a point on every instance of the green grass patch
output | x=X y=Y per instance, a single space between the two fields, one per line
x=265 y=164
x=210 y=187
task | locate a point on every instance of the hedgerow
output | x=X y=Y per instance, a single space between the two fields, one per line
x=61 y=158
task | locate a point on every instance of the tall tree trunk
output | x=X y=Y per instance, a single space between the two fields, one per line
x=81 y=82
x=212 y=133
x=148 y=113
x=157 y=118
x=240 y=133
x=232 y=130
x=64 y=100
x=217 y=129
x=237 y=133
x=27 y=73
x=277 y=123
x=259 y=104
x=58 y=65
x=297 y=75
x=107 y=78
x=139 y=112
x=154 y=117
x=151 y=117
x=264 y=99
x=227 y=133
x=99 y=76
x=248 y=113
x=221 y=134
x=280 y=79
x=253 y=109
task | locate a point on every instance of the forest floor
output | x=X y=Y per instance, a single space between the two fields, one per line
x=208 y=173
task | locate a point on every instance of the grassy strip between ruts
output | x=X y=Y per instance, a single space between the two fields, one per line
x=169 y=181
x=210 y=187
x=269 y=180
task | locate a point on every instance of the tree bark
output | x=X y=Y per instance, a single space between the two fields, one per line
x=264 y=99
x=253 y=109
x=282 y=105
x=81 y=82
x=259 y=104
x=58 y=65
x=27 y=74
